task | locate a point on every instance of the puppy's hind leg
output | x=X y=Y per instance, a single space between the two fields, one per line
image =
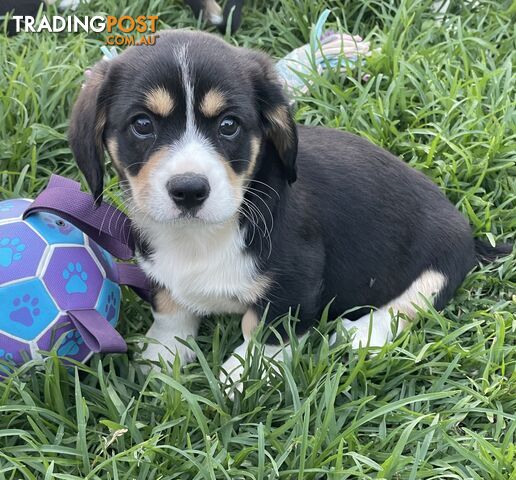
x=171 y=322
x=381 y=329
x=427 y=286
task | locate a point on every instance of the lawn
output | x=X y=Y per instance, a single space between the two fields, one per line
x=439 y=402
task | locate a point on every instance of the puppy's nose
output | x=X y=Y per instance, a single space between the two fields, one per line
x=188 y=190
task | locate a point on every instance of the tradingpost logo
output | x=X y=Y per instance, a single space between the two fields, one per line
x=121 y=31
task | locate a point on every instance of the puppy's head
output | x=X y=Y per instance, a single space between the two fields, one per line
x=186 y=122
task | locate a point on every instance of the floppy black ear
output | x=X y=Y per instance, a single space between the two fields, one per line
x=86 y=129
x=276 y=116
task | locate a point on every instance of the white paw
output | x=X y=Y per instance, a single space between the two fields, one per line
x=232 y=370
x=359 y=330
x=154 y=351
x=231 y=375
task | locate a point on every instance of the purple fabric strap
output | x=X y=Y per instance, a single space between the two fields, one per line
x=97 y=332
x=104 y=223
x=131 y=275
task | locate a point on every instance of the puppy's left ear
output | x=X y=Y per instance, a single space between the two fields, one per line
x=276 y=116
x=85 y=133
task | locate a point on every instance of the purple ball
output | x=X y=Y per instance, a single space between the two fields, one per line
x=47 y=268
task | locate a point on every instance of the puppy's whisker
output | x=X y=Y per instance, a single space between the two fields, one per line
x=264 y=202
x=253 y=180
x=256 y=218
x=251 y=189
x=270 y=214
x=251 y=221
x=266 y=233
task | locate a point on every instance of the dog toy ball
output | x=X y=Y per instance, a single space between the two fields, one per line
x=58 y=287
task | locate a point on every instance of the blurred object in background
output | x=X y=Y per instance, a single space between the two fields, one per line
x=30 y=8
x=213 y=12
x=327 y=49
x=25 y=8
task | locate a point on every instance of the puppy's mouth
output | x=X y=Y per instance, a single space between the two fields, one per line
x=189 y=215
x=165 y=213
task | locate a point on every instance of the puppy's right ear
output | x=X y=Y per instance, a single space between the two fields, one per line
x=273 y=106
x=86 y=130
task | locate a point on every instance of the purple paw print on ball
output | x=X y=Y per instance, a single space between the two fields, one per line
x=25 y=309
x=64 y=227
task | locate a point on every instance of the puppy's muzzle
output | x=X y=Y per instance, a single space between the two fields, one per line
x=188 y=191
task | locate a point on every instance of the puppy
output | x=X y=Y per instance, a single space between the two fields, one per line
x=239 y=210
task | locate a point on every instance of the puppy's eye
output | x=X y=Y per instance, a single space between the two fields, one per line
x=229 y=127
x=142 y=126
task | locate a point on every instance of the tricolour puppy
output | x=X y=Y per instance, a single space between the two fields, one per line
x=238 y=210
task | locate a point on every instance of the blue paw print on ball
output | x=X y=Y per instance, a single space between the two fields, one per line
x=25 y=309
x=76 y=278
x=6 y=207
x=11 y=250
x=71 y=345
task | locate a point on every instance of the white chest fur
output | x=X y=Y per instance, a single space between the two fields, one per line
x=204 y=267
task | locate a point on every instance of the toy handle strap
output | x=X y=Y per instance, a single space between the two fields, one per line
x=132 y=276
x=105 y=224
x=98 y=334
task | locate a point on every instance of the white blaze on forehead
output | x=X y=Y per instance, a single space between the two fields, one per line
x=192 y=153
x=186 y=79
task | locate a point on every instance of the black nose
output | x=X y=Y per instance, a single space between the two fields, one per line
x=188 y=190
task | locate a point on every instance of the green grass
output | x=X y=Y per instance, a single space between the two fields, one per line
x=440 y=402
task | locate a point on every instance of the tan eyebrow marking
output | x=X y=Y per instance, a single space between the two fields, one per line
x=159 y=101
x=212 y=103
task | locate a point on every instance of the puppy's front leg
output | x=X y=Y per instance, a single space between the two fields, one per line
x=171 y=322
x=233 y=368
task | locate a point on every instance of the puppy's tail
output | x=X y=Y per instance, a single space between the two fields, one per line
x=486 y=253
